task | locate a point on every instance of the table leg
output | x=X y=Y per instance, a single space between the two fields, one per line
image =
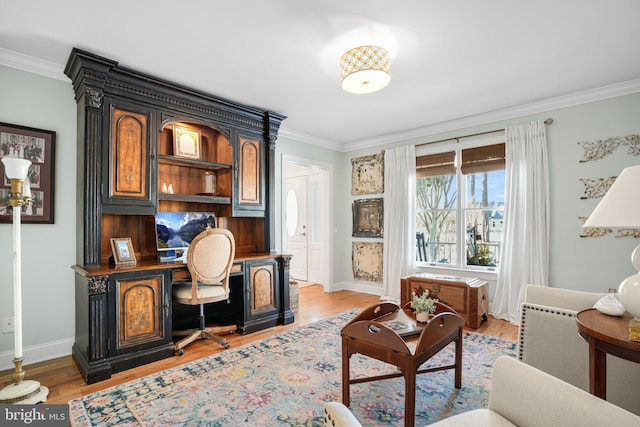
x=410 y=397
x=458 y=369
x=345 y=372
x=597 y=370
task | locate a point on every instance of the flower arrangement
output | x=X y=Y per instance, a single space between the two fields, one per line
x=421 y=303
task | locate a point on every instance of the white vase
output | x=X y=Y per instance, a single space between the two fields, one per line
x=423 y=316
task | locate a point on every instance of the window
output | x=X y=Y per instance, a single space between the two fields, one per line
x=460 y=205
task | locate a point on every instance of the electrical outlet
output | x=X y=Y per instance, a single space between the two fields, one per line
x=7 y=325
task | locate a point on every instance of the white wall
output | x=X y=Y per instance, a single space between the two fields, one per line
x=48 y=250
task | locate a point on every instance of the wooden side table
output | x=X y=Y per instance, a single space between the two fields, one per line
x=605 y=334
x=367 y=334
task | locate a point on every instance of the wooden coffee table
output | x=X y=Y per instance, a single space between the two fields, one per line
x=367 y=334
x=605 y=334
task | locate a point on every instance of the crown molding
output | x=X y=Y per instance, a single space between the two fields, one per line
x=30 y=64
x=309 y=139
x=605 y=92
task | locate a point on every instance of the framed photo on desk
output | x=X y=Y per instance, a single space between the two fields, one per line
x=123 y=254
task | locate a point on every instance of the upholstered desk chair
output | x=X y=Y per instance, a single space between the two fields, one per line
x=209 y=261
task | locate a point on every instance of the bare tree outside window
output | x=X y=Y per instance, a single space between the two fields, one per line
x=436 y=214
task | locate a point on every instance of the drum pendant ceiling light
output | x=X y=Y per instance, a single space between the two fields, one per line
x=365 y=69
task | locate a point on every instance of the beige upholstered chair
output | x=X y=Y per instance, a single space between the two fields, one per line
x=209 y=261
x=548 y=339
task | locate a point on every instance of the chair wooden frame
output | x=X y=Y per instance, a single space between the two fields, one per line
x=373 y=339
x=209 y=260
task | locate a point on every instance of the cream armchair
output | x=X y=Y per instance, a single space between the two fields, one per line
x=548 y=340
x=520 y=395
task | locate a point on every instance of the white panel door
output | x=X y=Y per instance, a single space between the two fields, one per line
x=316 y=230
x=296 y=226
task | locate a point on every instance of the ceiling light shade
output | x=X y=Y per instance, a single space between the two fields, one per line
x=365 y=69
x=16 y=168
x=620 y=208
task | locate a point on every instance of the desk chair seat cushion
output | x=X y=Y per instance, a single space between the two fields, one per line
x=182 y=291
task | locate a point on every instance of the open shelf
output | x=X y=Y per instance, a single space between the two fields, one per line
x=195 y=198
x=200 y=164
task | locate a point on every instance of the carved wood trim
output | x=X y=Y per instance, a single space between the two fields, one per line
x=594 y=188
x=603 y=147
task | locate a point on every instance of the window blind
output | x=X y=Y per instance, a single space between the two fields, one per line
x=483 y=159
x=436 y=164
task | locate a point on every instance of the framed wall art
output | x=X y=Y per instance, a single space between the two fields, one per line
x=123 y=254
x=367 y=217
x=38 y=146
x=186 y=142
x=366 y=259
x=367 y=175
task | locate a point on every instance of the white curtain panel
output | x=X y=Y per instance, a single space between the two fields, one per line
x=399 y=257
x=525 y=254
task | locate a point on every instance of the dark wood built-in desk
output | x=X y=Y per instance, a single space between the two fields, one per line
x=128 y=157
x=124 y=316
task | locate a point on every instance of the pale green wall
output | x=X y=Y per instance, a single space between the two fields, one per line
x=48 y=249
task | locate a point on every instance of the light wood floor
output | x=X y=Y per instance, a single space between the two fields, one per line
x=65 y=383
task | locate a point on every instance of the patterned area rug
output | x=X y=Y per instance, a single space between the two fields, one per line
x=284 y=380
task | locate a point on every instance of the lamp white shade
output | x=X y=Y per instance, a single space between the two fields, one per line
x=620 y=206
x=16 y=168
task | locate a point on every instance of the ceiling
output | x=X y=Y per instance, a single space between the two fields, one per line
x=451 y=59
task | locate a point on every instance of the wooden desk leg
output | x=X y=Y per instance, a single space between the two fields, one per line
x=410 y=397
x=345 y=372
x=597 y=370
x=458 y=370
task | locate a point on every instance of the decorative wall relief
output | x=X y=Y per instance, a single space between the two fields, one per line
x=594 y=188
x=366 y=258
x=367 y=174
x=603 y=147
x=593 y=231
x=599 y=232
x=628 y=232
x=367 y=217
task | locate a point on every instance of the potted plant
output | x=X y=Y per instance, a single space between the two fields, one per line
x=422 y=305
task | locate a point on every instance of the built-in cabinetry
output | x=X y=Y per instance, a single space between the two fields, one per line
x=132 y=163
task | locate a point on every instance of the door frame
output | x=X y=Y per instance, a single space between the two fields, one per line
x=325 y=216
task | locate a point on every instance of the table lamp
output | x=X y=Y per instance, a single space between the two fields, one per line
x=620 y=208
x=20 y=391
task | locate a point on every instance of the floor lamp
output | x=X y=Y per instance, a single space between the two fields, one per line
x=21 y=390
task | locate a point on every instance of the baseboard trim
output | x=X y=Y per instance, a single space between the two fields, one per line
x=39 y=353
x=366 y=288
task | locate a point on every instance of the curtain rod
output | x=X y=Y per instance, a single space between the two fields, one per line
x=457 y=138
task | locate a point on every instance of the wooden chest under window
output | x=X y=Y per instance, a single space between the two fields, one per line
x=467 y=295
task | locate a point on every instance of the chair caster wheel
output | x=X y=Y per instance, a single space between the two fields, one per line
x=226 y=345
x=180 y=352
